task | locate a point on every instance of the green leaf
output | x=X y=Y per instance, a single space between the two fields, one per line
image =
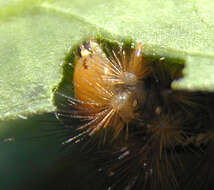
x=36 y=35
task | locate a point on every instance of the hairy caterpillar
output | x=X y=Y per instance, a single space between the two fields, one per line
x=148 y=132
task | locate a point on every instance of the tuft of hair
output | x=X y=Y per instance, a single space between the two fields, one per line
x=108 y=90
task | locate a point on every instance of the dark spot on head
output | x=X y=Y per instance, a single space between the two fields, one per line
x=85 y=64
x=87 y=45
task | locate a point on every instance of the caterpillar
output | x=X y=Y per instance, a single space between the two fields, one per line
x=144 y=134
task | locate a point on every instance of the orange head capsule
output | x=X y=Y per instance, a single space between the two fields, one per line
x=90 y=67
x=108 y=90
